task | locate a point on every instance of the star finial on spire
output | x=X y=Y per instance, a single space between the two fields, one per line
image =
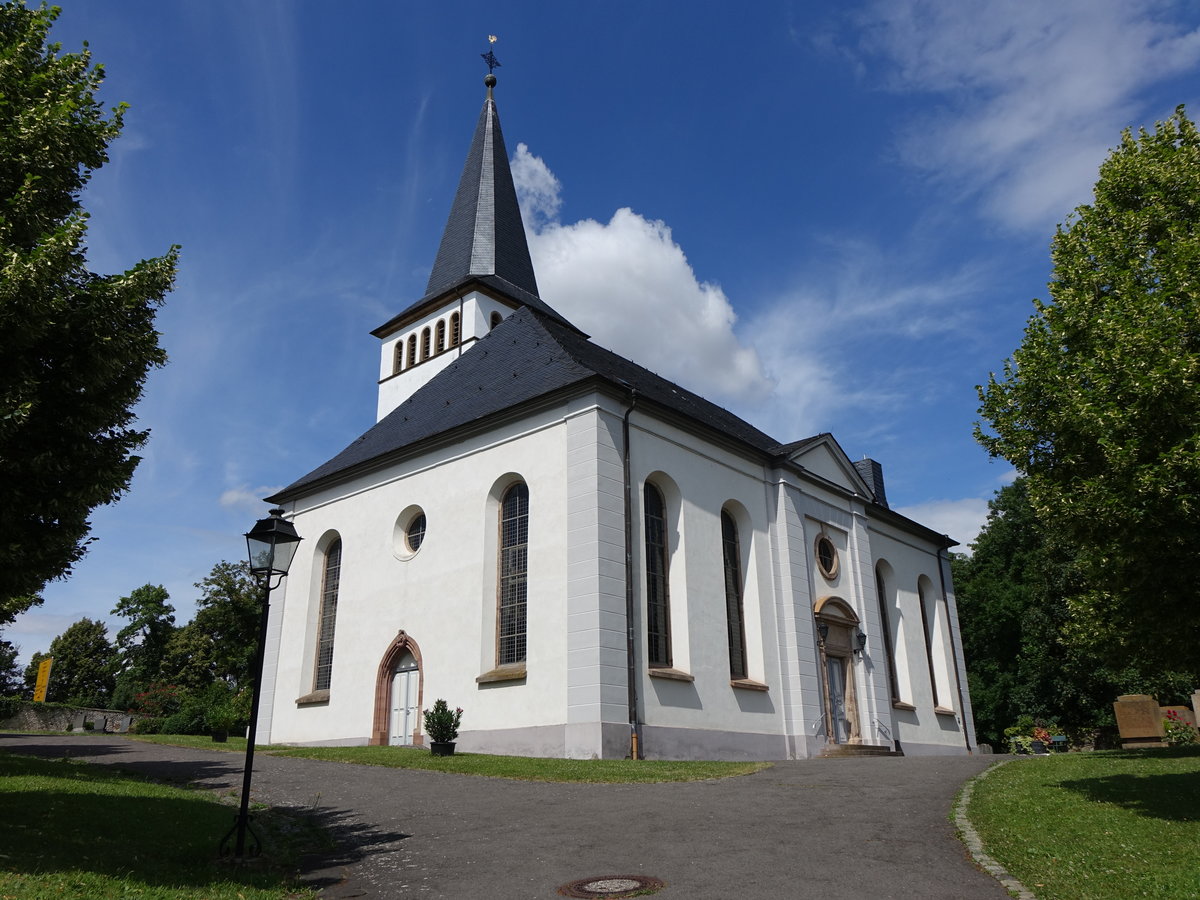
x=490 y=57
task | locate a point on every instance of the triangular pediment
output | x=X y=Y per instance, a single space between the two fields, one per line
x=824 y=457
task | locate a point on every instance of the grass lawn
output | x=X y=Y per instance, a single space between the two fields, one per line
x=526 y=768
x=1113 y=824
x=72 y=830
x=196 y=741
x=521 y=768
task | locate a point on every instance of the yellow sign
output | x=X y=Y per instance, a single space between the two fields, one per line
x=43 y=680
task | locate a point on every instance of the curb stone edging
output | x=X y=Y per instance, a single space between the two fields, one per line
x=970 y=837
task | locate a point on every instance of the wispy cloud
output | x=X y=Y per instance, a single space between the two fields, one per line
x=961 y=519
x=1031 y=94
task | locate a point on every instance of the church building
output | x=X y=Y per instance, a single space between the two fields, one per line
x=591 y=560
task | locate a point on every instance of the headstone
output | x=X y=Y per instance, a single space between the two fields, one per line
x=1196 y=704
x=1139 y=721
x=77 y=722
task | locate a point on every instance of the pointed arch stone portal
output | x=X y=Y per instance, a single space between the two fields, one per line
x=385 y=676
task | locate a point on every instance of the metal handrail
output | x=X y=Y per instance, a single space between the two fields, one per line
x=883 y=729
x=820 y=725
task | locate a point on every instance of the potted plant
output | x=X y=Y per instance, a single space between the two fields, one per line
x=441 y=724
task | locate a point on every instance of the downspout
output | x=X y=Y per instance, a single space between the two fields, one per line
x=953 y=652
x=635 y=726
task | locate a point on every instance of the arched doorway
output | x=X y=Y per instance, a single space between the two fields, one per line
x=405 y=700
x=399 y=688
x=837 y=629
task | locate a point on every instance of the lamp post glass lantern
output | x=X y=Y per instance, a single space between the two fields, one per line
x=270 y=545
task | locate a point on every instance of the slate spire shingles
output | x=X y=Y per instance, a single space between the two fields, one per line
x=484 y=234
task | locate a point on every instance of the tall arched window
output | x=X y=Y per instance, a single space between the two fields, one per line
x=733 y=596
x=881 y=594
x=658 y=612
x=439 y=340
x=412 y=350
x=398 y=359
x=514 y=566
x=927 y=627
x=329 y=599
x=496 y=319
x=424 y=344
x=455 y=329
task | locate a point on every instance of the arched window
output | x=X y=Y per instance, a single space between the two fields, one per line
x=658 y=612
x=455 y=329
x=439 y=341
x=412 y=350
x=398 y=359
x=496 y=319
x=329 y=599
x=514 y=560
x=881 y=593
x=733 y=596
x=934 y=647
x=424 y=344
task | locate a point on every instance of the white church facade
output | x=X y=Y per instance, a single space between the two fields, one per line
x=590 y=560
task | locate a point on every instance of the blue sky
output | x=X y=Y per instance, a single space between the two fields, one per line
x=826 y=217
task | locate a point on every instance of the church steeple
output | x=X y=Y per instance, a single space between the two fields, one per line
x=484 y=234
x=482 y=273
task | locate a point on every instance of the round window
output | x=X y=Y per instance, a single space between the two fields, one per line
x=409 y=532
x=414 y=534
x=827 y=557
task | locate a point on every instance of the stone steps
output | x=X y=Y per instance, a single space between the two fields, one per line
x=837 y=751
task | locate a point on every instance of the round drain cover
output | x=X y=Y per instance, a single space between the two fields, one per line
x=612 y=887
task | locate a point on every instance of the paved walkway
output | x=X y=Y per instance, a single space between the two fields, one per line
x=836 y=828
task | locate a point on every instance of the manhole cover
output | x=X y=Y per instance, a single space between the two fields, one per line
x=613 y=886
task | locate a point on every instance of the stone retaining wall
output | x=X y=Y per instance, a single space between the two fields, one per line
x=39 y=717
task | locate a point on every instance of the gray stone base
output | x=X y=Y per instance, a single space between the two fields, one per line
x=696 y=743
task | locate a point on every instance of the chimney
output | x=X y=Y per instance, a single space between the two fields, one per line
x=872 y=474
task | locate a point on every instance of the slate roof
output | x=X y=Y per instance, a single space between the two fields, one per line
x=526 y=357
x=484 y=240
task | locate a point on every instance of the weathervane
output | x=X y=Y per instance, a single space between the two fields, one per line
x=490 y=57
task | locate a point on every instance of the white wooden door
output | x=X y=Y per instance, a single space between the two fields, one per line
x=404 y=701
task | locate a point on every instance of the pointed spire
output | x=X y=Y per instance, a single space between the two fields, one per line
x=484 y=234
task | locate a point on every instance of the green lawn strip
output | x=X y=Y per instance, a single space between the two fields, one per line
x=195 y=741
x=74 y=830
x=525 y=768
x=1095 y=826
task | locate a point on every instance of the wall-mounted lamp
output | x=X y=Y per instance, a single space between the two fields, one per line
x=823 y=631
x=861 y=640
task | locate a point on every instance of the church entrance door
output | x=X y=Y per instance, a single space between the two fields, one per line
x=404 y=701
x=835 y=671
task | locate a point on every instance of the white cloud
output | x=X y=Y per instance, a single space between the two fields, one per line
x=1034 y=94
x=247 y=498
x=539 y=191
x=628 y=284
x=961 y=519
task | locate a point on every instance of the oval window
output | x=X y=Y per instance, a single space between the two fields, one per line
x=414 y=534
x=827 y=557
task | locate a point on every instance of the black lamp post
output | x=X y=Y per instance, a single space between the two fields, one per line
x=271 y=544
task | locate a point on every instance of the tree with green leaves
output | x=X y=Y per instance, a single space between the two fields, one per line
x=82 y=673
x=10 y=673
x=142 y=644
x=76 y=346
x=1100 y=405
x=218 y=644
x=1014 y=606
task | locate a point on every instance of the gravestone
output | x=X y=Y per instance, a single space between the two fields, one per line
x=1139 y=721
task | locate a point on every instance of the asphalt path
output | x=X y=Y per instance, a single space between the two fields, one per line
x=828 y=828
